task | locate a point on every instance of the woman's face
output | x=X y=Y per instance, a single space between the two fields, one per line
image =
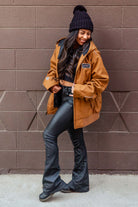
x=83 y=36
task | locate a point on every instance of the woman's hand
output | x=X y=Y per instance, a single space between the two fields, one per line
x=55 y=89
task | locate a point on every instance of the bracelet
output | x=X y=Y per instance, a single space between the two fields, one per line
x=73 y=87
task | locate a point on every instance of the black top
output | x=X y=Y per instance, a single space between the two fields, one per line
x=71 y=58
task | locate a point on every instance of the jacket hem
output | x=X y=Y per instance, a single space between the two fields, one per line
x=86 y=121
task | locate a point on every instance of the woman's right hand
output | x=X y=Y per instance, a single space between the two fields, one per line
x=55 y=89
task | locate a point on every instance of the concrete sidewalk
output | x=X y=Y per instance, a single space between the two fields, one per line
x=105 y=191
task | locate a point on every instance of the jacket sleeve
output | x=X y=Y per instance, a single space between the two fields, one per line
x=50 y=80
x=99 y=79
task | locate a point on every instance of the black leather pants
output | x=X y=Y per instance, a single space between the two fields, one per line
x=61 y=121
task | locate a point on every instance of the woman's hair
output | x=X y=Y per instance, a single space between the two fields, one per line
x=69 y=57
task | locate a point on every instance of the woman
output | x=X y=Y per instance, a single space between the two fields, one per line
x=76 y=79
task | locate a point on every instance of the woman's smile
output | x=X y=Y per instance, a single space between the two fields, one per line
x=83 y=36
x=82 y=41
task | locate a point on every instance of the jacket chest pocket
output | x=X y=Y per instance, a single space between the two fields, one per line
x=86 y=71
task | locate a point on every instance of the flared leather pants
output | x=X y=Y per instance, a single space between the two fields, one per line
x=61 y=121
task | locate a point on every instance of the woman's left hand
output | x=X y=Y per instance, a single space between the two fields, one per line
x=56 y=88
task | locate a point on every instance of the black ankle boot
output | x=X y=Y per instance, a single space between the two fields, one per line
x=73 y=187
x=46 y=194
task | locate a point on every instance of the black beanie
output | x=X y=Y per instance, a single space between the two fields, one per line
x=81 y=19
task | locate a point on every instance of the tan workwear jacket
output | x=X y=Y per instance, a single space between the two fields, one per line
x=90 y=81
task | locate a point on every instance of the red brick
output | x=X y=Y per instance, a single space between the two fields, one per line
x=102 y=16
x=7 y=80
x=2 y=127
x=131 y=120
x=7 y=59
x=104 y=123
x=24 y=80
x=43 y=119
x=67 y=2
x=108 y=103
x=117 y=142
x=130 y=17
x=5 y=2
x=17 y=38
x=92 y=160
x=130 y=39
x=131 y=2
x=30 y=141
x=17 y=17
x=123 y=81
x=42 y=103
x=120 y=60
x=14 y=121
x=107 y=38
x=131 y=103
x=47 y=38
x=39 y=99
x=33 y=59
x=40 y=124
x=16 y=101
x=110 y=16
x=55 y=16
x=119 y=125
x=120 y=97
x=7 y=140
x=8 y=159
x=33 y=97
x=30 y=159
x=66 y=160
x=118 y=161
x=33 y=125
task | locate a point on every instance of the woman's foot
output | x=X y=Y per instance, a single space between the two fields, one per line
x=72 y=187
x=46 y=194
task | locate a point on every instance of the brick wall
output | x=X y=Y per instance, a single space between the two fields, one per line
x=28 y=33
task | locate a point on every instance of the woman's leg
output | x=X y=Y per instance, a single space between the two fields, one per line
x=60 y=122
x=80 y=177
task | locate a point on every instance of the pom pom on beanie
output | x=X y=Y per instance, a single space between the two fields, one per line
x=79 y=8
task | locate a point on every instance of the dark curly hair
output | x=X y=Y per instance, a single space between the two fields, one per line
x=70 y=56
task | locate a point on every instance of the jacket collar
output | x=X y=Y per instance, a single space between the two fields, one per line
x=61 y=45
x=90 y=48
